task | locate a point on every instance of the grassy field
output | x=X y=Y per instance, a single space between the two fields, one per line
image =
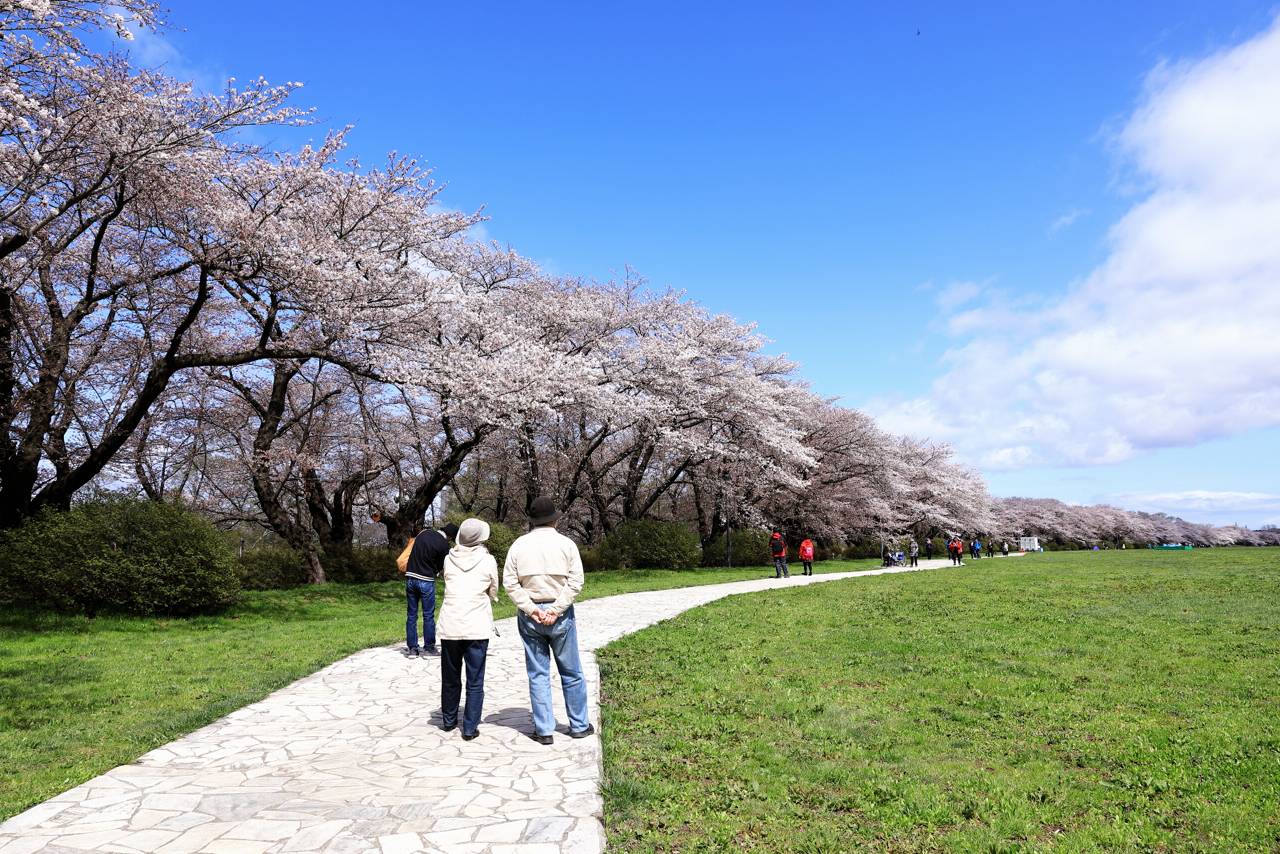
x=79 y=696
x=1068 y=701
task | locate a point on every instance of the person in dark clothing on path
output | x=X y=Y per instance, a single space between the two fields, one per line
x=425 y=562
x=928 y=548
x=778 y=549
x=991 y=548
x=914 y=551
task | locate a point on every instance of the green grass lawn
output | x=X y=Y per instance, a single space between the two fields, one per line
x=79 y=696
x=1073 y=701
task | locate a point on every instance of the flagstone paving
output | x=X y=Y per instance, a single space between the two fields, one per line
x=352 y=759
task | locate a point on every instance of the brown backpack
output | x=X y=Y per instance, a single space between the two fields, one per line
x=402 y=562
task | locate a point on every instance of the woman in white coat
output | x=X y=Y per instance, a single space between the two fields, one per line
x=466 y=622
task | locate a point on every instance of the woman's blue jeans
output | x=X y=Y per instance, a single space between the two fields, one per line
x=560 y=639
x=454 y=654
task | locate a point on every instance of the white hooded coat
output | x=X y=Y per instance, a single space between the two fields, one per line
x=470 y=587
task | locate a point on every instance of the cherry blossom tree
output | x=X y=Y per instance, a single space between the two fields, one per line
x=846 y=491
x=116 y=264
x=295 y=340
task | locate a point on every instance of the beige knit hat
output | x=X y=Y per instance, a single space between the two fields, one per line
x=473 y=532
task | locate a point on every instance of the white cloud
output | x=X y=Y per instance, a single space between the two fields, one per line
x=1203 y=499
x=1201 y=504
x=957 y=294
x=1173 y=339
x=151 y=49
x=1067 y=219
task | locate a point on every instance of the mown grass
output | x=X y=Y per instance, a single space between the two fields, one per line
x=79 y=696
x=1069 y=701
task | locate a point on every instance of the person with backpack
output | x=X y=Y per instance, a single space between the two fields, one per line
x=778 y=549
x=914 y=551
x=422 y=561
x=806 y=556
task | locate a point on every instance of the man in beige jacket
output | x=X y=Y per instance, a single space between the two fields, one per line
x=543 y=575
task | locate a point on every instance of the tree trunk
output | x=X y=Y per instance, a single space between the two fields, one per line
x=408 y=517
x=528 y=453
x=289 y=528
x=332 y=514
x=315 y=569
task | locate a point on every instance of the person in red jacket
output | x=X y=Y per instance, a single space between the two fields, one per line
x=778 y=548
x=806 y=556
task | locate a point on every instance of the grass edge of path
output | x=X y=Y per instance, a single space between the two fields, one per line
x=79 y=696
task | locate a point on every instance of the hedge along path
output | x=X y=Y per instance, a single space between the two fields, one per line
x=351 y=759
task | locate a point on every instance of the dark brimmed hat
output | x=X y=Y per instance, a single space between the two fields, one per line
x=450 y=531
x=542 y=511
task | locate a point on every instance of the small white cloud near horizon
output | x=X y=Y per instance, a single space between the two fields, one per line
x=1223 y=505
x=1171 y=340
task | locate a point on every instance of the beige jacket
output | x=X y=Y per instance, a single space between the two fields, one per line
x=543 y=571
x=470 y=586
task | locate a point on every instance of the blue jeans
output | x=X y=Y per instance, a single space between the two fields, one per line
x=540 y=643
x=453 y=655
x=417 y=592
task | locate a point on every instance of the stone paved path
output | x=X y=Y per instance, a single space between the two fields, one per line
x=351 y=759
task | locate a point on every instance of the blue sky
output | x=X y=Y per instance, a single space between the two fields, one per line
x=831 y=171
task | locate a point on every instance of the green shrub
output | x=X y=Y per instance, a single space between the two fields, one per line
x=864 y=548
x=591 y=561
x=648 y=544
x=500 y=539
x=360 y=565
x=272 y=567
x=750 y=548
x=822 y=551
x=501 y=535
x=119 y=555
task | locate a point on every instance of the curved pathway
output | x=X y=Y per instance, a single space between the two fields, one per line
x=351 y=759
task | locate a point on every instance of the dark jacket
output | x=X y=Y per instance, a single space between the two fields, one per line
x=427 y=557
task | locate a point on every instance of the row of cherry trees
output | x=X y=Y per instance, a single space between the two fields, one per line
x=298 y=341
x=1072 y=524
